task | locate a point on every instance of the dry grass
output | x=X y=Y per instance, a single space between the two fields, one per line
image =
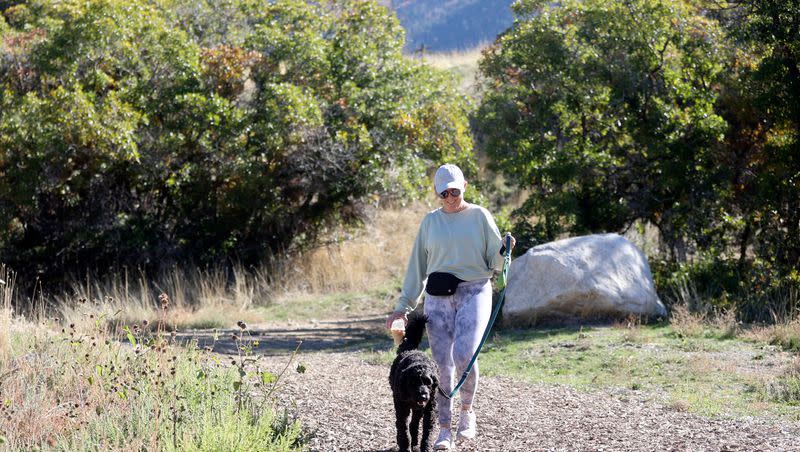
x=93 y=380
x=79 y=387
x=687 y=323
x=69 y=383
x=680 y=405
x=373 y=258
x=463 y=65
x=33 y=415
x=6 y=293
x=125 y=298
x=632 y=329
x=786 y=335
x=704 y=365
x=449 y=60
x=726 y=323
x=784 y=388
x=720 y=324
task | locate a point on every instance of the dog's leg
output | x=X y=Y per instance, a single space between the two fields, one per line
x=416 y=415
x=401 y=414
x=429 y=418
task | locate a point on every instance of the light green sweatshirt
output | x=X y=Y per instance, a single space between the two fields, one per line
x=466 y=244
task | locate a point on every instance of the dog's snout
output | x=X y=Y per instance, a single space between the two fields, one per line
x=423 y=395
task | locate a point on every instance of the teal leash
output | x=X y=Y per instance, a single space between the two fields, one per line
x=500 y=300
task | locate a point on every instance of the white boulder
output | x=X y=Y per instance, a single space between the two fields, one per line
x=593 y=276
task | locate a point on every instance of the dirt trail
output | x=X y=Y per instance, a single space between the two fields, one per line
x=345 y=399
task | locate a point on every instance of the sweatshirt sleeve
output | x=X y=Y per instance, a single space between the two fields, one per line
x=415 y=274
x=494 y=241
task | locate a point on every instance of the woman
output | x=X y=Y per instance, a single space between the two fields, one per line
x=458 y=243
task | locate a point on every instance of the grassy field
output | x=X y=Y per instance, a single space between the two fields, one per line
x=711 y=373
x=712 y=367
x=303 y=306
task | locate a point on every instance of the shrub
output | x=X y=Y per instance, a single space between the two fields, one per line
x=756 y=291
x=124 y=142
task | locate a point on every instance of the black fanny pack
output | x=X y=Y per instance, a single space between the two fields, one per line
x=442 y=284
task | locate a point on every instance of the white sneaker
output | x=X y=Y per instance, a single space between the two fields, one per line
x=467 y=428
x=445 y=440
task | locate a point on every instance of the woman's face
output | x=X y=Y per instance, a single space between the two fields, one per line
x=451 y=203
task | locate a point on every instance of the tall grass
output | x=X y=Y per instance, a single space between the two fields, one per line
x=375 y=257
x=81 y=388
x=6 y=294
x=199 y=298
x=785 y=335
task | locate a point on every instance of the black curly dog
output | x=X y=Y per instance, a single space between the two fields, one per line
x=414 y=378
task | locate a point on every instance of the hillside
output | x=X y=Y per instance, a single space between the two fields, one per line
x=451 y=24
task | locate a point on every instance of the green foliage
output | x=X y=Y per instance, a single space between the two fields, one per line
x=603 y=110
x=757 y=291
x=142 y=134
x=211 y=22
x=666 y=112
x=764 y=144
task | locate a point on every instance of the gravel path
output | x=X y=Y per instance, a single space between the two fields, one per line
x=344 y=399
x=347 y=401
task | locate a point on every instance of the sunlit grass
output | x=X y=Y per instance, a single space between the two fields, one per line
x=785 y=335
x=708 y=372
x=302 y=306
x=77 y=386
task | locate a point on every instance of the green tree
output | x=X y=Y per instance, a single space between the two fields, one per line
x=604 y=111
x=770 y=181
x=75 y=85
x=142 y=133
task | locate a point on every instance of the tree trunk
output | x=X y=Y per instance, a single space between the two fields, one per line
x=743 y=244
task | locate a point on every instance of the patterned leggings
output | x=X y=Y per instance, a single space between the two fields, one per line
x=455 y=328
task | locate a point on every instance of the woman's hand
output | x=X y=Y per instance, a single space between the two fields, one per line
x=511 y=243
x=394 y=316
